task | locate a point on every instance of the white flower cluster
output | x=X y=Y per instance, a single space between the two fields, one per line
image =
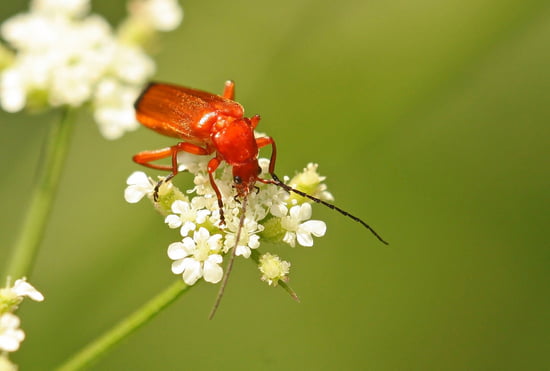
x=64 y=56
x=10 y=333
x=271 y=216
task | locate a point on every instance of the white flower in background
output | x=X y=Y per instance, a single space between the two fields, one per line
x=10 y=298
x=273 y=269
x=197 y=257
x=10 y=333
x=6 y=364
x=163 y=15
x=67 y=57
x=70 y=8
x=189 y=215
x=298 y=226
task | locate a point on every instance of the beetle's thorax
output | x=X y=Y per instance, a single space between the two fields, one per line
x=235 y=144
x=234 y=141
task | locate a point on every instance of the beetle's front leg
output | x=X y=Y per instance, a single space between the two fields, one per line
x=212 y=166
x=264 y=141
x=146 y=158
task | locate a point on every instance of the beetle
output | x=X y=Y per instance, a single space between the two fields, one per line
x=205 y=123
x=209 y=124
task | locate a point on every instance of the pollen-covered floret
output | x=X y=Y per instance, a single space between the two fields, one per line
x=273 y=269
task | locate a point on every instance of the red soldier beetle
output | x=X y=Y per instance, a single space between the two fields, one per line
x=211 y=124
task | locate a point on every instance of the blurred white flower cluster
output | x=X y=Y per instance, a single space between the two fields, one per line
x=272 y=216
x=10 y=333
x=58 y=54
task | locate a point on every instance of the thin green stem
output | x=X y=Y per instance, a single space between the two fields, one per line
x=101 y=345
x=49 y=170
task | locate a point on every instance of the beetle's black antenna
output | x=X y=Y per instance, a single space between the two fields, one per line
x=231 y=261
x=276 y=181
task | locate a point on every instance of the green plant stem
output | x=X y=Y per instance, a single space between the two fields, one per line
x=49 y=171
x=98 y=347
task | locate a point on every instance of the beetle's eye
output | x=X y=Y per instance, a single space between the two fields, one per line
x=237 y=180
x=259 y=170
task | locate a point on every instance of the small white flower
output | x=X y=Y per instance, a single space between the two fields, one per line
x=189 y=215
x=10 y=333
x=197 y=257
x=12 y=296
x=22 y=288
x=139 y=185
x=298 y=226
x=248 y=239
x=273 y=269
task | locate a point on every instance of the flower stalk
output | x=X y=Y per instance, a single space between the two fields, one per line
x=34 y=225
x=127 y=326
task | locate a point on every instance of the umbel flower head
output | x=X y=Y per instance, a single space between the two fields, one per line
x=60 y=55
x=271 y=216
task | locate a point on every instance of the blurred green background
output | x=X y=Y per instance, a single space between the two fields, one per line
x=430 y=120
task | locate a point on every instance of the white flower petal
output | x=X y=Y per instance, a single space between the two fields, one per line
x=243 y=251
x=254 y=241
x=176 y=251
x=316 y=227
x=201 y=215
x=290 y=238
x=22 y=288
x=138 y=178
x=214 y=242
x=213 y=273
x=201 y=235
x=180 y=207
x=187 y=227
x=173 y=221
x=279 y=210
x=304 y=239
x=305 y=211
x=192 y=272
x=133 y=194
x=178 y=266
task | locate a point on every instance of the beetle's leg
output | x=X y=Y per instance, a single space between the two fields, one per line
x=146 y=157
x=254 y=121
x=229 y=90
x=264 y=141
x=212 y=166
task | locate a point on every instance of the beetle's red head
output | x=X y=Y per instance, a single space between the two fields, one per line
x=245 y=176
